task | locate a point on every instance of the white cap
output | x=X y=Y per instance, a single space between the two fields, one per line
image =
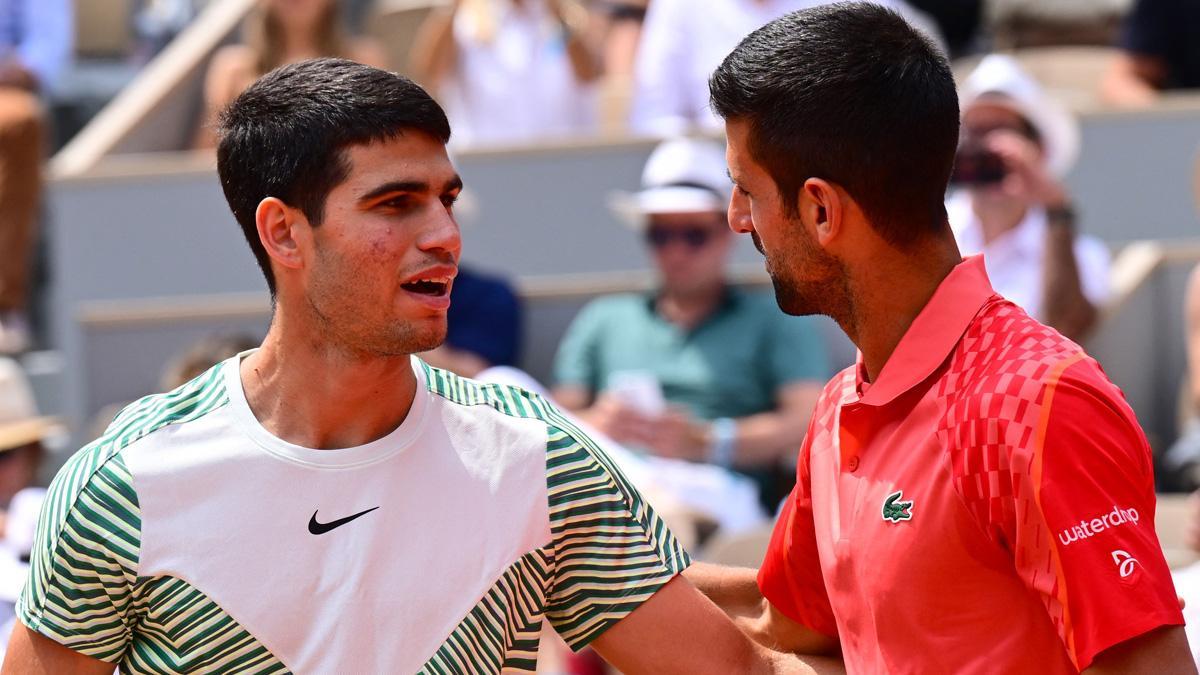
x=682 y=175
x=20 y=423
x=999 y=80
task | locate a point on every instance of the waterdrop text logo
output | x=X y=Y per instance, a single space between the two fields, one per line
x=1090 y=528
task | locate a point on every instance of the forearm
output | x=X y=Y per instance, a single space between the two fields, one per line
x=733 y=589
x=766 y=437
x=582 y=51
x=1065 y=307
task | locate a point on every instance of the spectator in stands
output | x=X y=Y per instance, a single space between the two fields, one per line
x=483 y=325
x=1012 y=205
x=681 y=46
x=22 y=432
x=511 y=71
x=1159 y=49
x=200 y=356
x=35 y=47
x=624 y=32
x=278 y=32
x=699 y=369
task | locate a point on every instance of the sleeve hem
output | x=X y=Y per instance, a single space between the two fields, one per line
x=799 y=614
x=608 y=622
x=1132 y=632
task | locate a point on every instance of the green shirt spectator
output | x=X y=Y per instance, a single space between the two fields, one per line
x=731 y=365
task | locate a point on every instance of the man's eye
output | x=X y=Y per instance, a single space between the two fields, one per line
x=743 y=191
x=397 y=203
x=449 y=200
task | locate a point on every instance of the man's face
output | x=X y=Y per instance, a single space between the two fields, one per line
x=689 y=249
x=379 y=271
x=807 y=279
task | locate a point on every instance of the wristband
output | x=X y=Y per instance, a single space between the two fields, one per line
x=723 y=442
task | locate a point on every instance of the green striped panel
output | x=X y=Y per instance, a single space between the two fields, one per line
x=83 y=589
x=502 y=632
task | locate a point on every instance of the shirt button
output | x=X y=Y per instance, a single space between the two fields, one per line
x=853 y=463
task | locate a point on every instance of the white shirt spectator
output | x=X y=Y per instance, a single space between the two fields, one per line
x=682 y=44
x=514 y=82
x=39 y=34
x=1016 y=259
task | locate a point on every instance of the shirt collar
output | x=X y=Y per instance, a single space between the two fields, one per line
x=933 y=334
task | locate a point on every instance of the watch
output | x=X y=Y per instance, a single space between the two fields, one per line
x=1062 y=215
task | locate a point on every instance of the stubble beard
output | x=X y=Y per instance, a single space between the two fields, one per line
x=364 y=329
x=808 y=280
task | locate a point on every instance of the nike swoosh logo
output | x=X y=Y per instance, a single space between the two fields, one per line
x=321 y=528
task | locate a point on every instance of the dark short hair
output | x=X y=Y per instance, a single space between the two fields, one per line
x=853 y=94
x=286 y=135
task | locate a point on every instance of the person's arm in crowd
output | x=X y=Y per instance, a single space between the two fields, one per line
x=1133 y=80
x=45 y=49
x=434 y=53
x=678 y=630
x=31 y=653
x=1065 y=305
x=735 y=590
x=660 y=102
x=756 y=439
x=581 y=39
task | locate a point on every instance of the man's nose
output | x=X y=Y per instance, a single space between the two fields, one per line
x=739 y=213
x=443 y=233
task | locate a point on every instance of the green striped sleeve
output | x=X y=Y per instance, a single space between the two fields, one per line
x=611 y=551
x=83 y=567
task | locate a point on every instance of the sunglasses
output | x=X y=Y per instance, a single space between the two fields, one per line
x=693 y=237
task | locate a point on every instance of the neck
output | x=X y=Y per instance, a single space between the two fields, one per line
x=997 y=216
x=315 y=396
x=690 y=309
x=888 y=292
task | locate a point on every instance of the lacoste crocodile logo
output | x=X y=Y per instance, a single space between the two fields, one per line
x=895 y=510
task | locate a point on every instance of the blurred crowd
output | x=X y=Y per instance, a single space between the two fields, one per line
x=701 y=387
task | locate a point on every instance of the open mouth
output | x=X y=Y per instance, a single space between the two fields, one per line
x=433 y=287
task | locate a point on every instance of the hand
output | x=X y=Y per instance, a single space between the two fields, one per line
x=678 y=435
x=1027 y=177
x=621 y=422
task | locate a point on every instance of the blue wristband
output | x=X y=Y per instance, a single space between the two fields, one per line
x=724 y=442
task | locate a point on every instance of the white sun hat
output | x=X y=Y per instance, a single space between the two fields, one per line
x=20 y=423
x=682 y=175
x=1000 y=80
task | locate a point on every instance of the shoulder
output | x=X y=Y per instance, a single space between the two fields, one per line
x=101 y=460
x=1008 y=371
x=486 y=397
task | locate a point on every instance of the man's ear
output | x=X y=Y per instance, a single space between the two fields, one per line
x=822 y=205
x=280 y=228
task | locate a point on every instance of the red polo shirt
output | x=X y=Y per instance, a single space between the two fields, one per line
x=986 y=505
